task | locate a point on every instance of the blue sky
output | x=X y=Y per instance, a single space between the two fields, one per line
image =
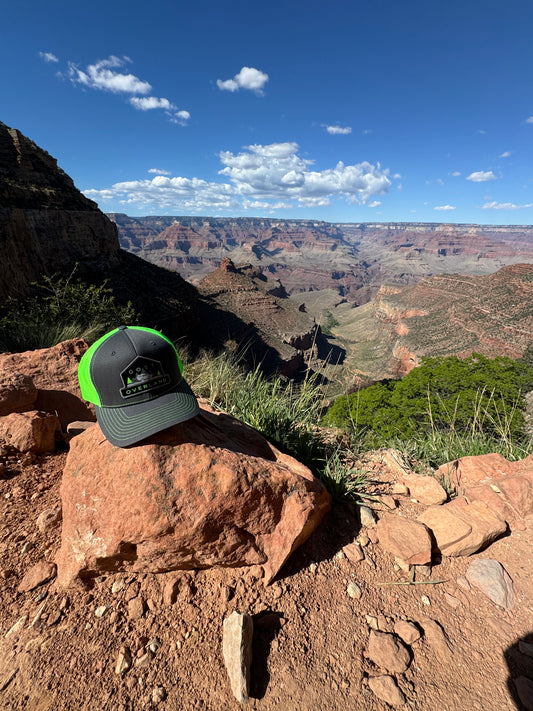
x=355 y=111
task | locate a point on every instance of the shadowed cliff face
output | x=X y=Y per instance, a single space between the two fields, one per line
x=46 y=224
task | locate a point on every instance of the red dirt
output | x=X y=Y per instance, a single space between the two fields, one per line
x=309 y=634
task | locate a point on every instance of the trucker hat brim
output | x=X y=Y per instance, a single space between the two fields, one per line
x=123 y=426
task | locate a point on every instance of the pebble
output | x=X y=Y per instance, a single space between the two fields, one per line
x=463 y=583
x=313 y=568
x=452 y=601
x=354 y=591
x=386 y=689
x=425 y=600
x=388 y=651
x=117 y=586
x=101 y=610
x=158 y=694
x=17 y=627
x=367 y=517
x=237 y=652
x=136 y=608
x=372 y=622
x=123 y=661
x=144 y=660
x=353 y=552
x=407 y=631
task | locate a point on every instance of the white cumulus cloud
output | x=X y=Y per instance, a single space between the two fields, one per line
x=103 y=75
x=506 y=154
x=493 y=205
x=529 y=120
x=339 y=130
x=248 y=78
x=146 y=103
x=158 y=171
x=269 y=177
x=48 y=57
x=445 y=207
x=481 y=176
x=109 y=75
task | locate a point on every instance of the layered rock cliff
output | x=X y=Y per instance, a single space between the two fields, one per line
x=439 y=316
x=46 y=224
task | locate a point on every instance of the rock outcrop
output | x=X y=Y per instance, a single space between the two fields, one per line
x=46 y=224
x=207 y=492
x=45 y=380
x=285 y=338
x=439 y=316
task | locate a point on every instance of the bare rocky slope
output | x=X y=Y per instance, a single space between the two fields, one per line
x=439 y=316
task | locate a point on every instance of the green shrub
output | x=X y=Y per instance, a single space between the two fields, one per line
x=59 y=308
x=475 y=398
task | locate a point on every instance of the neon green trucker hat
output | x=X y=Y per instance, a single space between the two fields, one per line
x=134 y=377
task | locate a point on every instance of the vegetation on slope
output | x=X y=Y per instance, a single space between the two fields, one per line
x=59 y=308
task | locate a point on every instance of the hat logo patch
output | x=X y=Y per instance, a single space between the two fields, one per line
x=142 y=375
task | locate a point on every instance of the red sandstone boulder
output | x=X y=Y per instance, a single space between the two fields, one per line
x=426 y=489
x=408 y=540
x=207 y=492
x=469 y=471
x=29 y=431
x=462 y=529
x=17 y=393
x=54 y=372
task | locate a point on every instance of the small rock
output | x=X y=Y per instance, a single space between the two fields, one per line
x=362 y=539
x=452 y=601
x=426 y=490
x=237 y=652
x=372 y=622
x=170 y=591
x=53 y=618
x=7 y=678
x=493 y=580
x=313 y=568
x=144 y=660
x=386 y=689
x=463 y=583
x=48 y=520
x=158 y=694
x=406 y=539
x=367 y=517
x=353 y=552
x=101 y=610
x=117 y=586
x=17 y=627
x=436 y=637
x=399 y=489
x=123 y=661
x=407 y=631
x=38 y=574
x=388 y=652
x=354 y=591
x=26 y=547
x=425 y=600
x=136 y=608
